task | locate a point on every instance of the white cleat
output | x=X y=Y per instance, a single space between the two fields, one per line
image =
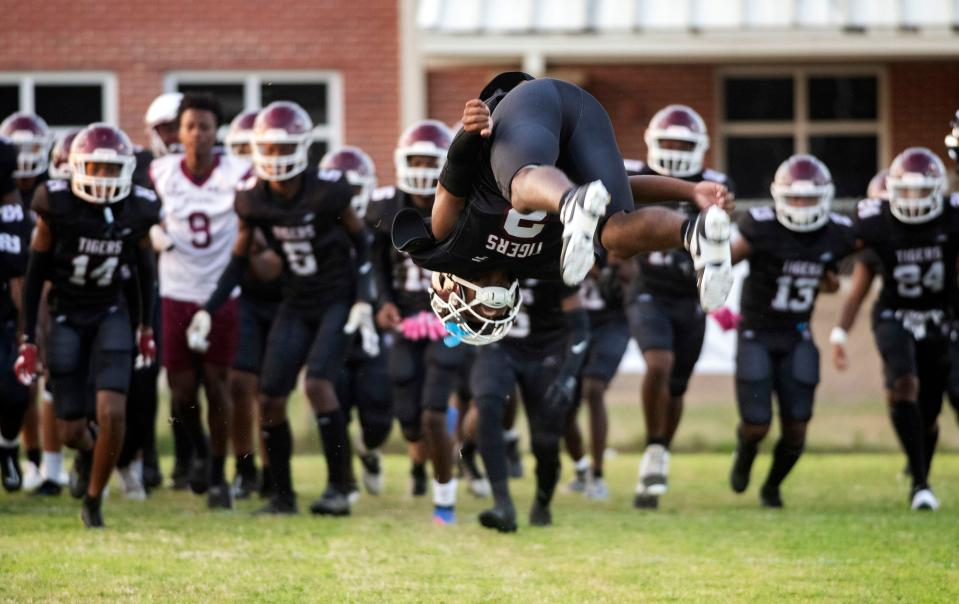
x=707 y=241
x=580 y=214
x=925 y=500
x=373 y=479
x=479 y=487
x=597 y=490
x=32 y=478
x=132 y=481
x=654 y=470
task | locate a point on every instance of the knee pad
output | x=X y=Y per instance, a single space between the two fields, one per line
x=805 y=363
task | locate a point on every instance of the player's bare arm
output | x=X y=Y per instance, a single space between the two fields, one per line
x=862 y=276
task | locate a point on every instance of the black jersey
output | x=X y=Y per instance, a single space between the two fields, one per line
x=90 y=243
x=918 y=261
x=308 y=234
x=601 y=304
x=670 y=273
x=399 y=280
x=141 y=173
x=786 y=267
x=15 y=227
x=541 y=319
x=8 y=164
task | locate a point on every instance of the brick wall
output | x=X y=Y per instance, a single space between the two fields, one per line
x=141 y=41
x=923 y=98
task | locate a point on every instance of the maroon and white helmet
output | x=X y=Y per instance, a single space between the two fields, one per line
x=32 y=138
x=877 y=188
x=239 y=138
x=481 y=314
x=916 y=181
x=360 y=172
x=281 y=123
x=60 y=156
x=802 y=177
x=98 y=144
x=162 y=110
x=676 y=123
x=430 y=138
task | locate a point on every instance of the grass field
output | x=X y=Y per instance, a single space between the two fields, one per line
x=845 y=536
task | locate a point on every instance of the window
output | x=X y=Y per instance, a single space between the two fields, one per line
x=320 y=93
x=833 y=113
x=64 y=100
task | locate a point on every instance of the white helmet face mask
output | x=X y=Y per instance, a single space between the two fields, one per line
x=280 y=167
x=234 y=141
x=418 y=181
x=676 y=162
x=366 y=184
x=101 y=189
x=910 y=208
x=803 y=218
x=463 y=319
x=33 y=153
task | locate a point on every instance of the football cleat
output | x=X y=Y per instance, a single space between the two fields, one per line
x=244 y=485
x=219 y=497
x=654 y=469
x=444 y=515
x=597 y=490
x=923 y=499
x=477 y=483
x=80 y=475
x=769 y=497
x=266 y=483
x=10 y=468
x=579 y=483
x=707 y=240
x=132 y=482
x=540 y=515
x=90 y=512
x=500 y=518
x=332 y=502
x=32 y=477
x=180 y=478
x=743 y=459
x=152 y=477
x=47 y=488
x=199 y=477
x=372 y=472
x=580 y=211
x=645 y=501
x=279 y=505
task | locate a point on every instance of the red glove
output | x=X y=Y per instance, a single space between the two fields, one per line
x=146 y=348
x=26 y=365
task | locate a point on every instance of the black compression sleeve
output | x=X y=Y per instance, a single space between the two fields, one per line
x=146 y=277
x=227 y=283
x=38 y=269
x=460 y=168
x=365 y=279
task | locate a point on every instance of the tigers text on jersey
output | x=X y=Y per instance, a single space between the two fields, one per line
x=308 y=234
x=200 y=221
x=399 y=279
x=541 y=318
x=918 y=260
x=786 y=268
x=669 y=273
x=89 y=246
x=15 y=228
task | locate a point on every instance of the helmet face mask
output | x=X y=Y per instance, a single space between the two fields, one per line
x=360 y=173
x=32 y=137
x=676 y=142
x=915 y=182
x=420 y=155
x=952 y=139
x=461 y=303
x=239 y=137
x=282 y=133
x=93 y=148
x=878 y=189
x=802 y=192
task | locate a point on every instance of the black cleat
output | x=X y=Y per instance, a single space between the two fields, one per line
x=501 y=518
x=539 y=515
x=278 y=505
x=152 y=477
x=180 y=478
x=418 y=486
x=47 y=488
x=80 y=475
x=220 y=497
x=200 y=475
x=332 y=502
x=245 y=485
x=10 y=468
x=90 y=512
x=266 y=483
x=645 y=501
x=514 y=459
x=743 y=459
x=769 y=497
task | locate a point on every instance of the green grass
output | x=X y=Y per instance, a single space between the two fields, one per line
x=846 y=535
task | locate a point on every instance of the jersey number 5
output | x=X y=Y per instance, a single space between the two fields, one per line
x=300 y=256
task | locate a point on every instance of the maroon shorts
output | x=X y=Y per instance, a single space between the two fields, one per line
x=176 y=317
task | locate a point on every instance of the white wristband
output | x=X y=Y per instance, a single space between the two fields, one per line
x=838 y=336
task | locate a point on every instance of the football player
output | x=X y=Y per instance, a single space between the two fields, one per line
x=198 y=230
x=306 y=218
x=793 y=247
x=506 y=204
x=423 y=371
x=913 y=242
x=363 y=382
x=86 y=229
x=664 y=312
x=15 y=226
x=237 y=141
x=541 y=355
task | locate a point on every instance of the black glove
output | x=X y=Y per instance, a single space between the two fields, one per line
x=559 y=400
x=610 y=286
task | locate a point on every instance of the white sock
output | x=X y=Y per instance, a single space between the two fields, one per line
x=444 y=494
x=51 y=466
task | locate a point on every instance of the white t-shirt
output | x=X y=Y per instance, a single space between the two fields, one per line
x=200 y=220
